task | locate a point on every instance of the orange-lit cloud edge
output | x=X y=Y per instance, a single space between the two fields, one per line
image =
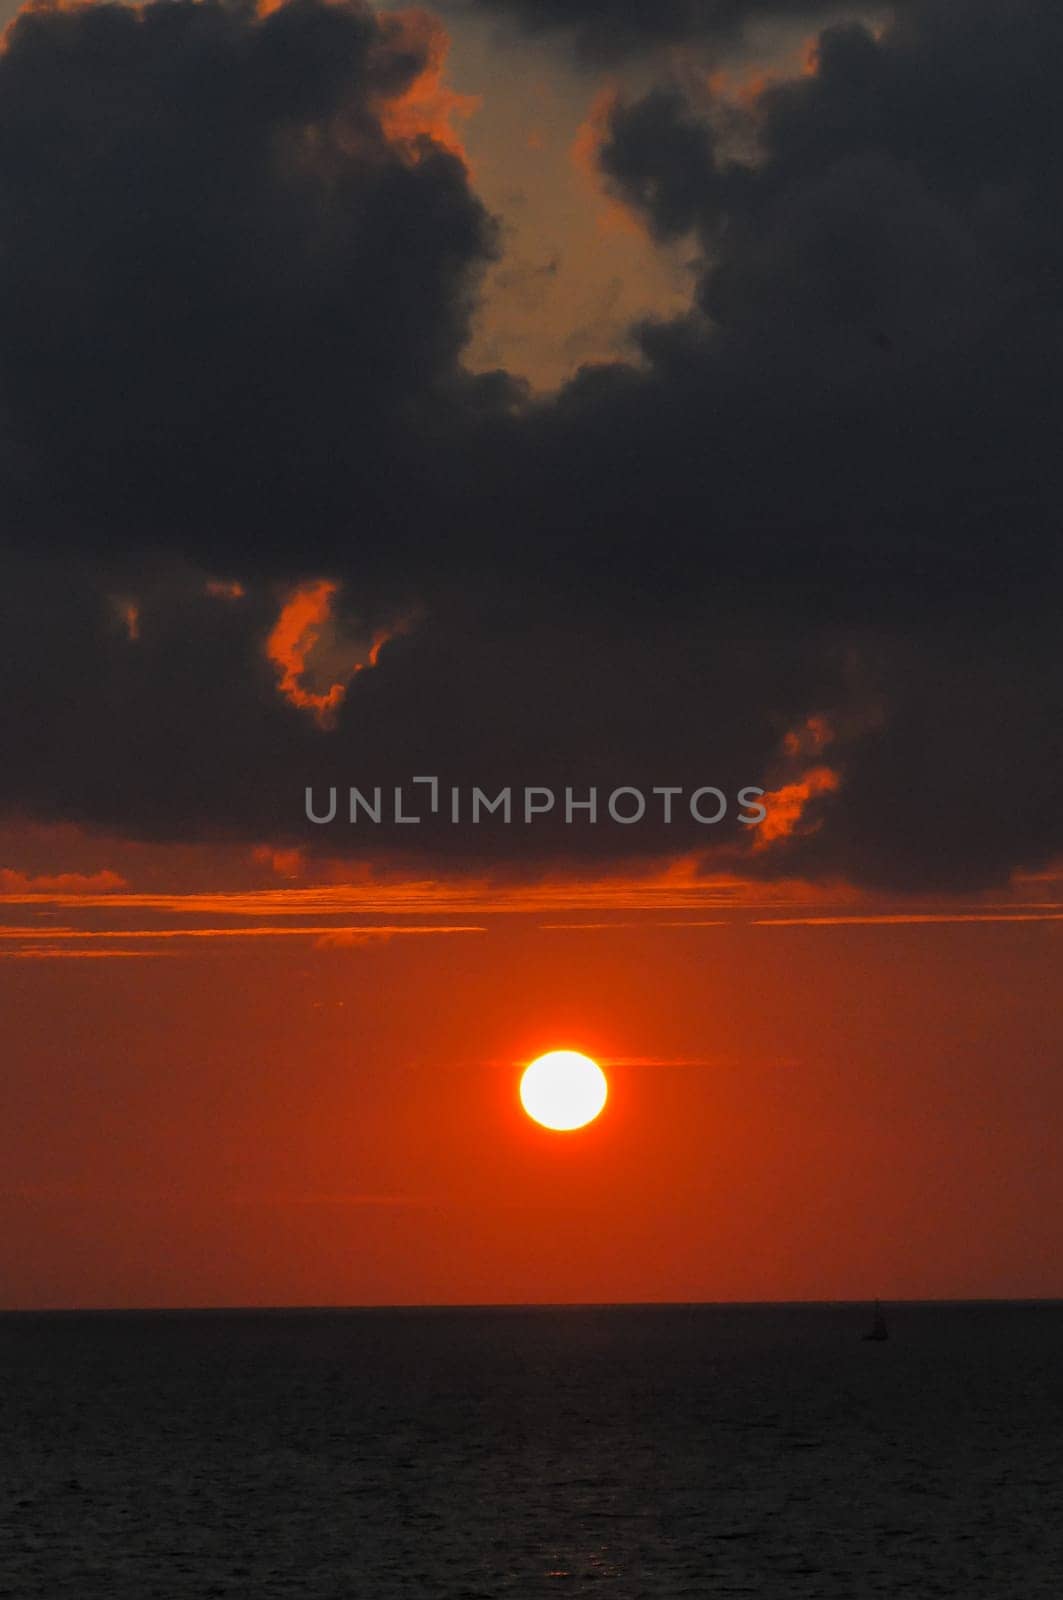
x=340 y=906
x=305 y=631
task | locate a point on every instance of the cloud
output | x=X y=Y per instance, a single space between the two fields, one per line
x=73 y=884
x=909 y=919
x=284 y=863
x=787 y=807
x=240 y=259
x=224 y=588
x=660 y=158
x=610 y=30
x=309 y=1198
x=241 y=274
x=48 y=944
x=610 y=927
x=675 y=886
x=305 y=641
x=47 y=952
x=128 y=612
x=427 y=108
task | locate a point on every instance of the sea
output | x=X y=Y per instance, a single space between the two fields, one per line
x=599 y=1451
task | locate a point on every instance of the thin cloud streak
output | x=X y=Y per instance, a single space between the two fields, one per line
x=379 y=930
x=60 y=943
x=383 y=1201
x=726 y=1062
x=601 y=927
x=690 y=1061
x=48 y=953
x=907 y=919
x=677 y=888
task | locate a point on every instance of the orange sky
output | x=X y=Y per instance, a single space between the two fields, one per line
x=807 y=1101
x=231 y=1073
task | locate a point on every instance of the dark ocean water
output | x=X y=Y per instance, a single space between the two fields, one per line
x=607 y=1452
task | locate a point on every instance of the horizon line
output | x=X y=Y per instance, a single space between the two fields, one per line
x=527 y=1305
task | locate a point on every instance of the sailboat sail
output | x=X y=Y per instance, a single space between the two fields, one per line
x=879 y=1330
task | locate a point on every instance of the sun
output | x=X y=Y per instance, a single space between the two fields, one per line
x=563 y=1090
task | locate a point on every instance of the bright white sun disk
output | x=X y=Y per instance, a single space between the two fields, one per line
x=563 y=1090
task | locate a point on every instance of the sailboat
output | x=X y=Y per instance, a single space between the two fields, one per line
x=878 y=1331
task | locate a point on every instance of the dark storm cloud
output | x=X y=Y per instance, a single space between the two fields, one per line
x=232 y=308
x=181 y=731
x=228 y=295
x=662 y=160
x=874 y=372
x=947 y=744
x=609 y=30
